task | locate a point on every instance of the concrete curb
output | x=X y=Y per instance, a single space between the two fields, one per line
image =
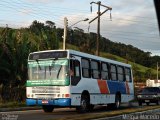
x=19 y=109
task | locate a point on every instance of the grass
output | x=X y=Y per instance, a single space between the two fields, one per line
x=89 y=116
x=120 y=59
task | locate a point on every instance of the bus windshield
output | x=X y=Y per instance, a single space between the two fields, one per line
x=53 y=72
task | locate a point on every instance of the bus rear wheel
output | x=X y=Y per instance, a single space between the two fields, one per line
x=84 y=105
x=48 y=108
x=158 y=102
x=147 y=103
x=139 y=103
x=117 y=102
x=91 y=107
x=115 y=105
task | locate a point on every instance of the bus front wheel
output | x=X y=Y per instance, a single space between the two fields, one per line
x=48 y=108
x=84 y=105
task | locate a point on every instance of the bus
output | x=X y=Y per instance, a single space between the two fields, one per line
x=68 y=78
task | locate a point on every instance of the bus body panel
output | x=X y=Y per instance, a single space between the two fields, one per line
x=102 y=94
x=56 y=95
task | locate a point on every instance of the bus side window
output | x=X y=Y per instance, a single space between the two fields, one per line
x=75 y=72
x=128 y=74
x=95 y=67
x=105 y=71
x=85 y=68
x=113 y=72
x=120 y=71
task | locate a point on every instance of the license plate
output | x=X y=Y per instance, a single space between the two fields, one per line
x=44 y=101
x=146 y=100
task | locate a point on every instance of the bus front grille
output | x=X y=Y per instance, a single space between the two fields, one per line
x=45 y=89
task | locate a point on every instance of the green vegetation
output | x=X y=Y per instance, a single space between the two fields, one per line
x=16 y=44
x=12 y=104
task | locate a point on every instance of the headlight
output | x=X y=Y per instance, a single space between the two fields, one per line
x=139 y=96
x=28 y=95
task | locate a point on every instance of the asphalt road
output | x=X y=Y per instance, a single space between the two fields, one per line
x=57 y=113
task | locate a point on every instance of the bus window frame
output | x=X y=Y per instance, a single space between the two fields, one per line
x=75 y=79
x=82 y=68
x=130 y=74
x=98 y=70
x=123 y=73
x=108 y=70
x=113 y=72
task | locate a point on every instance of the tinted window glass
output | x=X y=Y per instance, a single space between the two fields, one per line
x=104 y=72
x=46 y=55
x=75 y=72
x=95 y=69
x=151 y=89
x=113 y=72
x=128 y=74
x=120 y=73
x=94 y=65
x=85 y=68
x=85 y=63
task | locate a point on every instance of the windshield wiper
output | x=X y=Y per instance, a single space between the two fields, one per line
x=59 y=71
x=52 y=66
x=38 y=64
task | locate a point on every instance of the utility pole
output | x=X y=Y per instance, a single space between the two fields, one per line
x=98 y=29
x=65 y=33
x=6 y=30
x=98 y=24
x=157 y=70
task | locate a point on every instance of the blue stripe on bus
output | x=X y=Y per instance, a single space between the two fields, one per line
x=57 y=102
x=116 y=86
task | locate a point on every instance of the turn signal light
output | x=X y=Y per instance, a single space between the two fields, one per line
x=67 y=95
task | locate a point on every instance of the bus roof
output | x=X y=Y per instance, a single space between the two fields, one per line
x=97 y=58
x=82 y=54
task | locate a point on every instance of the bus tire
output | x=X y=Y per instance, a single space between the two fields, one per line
x=91 y=107
x=48 y=108
x=139 y=103
x=117 y=102
x=84 y=105
x=157 y=102
x=147 y=103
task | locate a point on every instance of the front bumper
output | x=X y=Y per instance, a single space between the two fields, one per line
x=148 y=100
x=64 y=102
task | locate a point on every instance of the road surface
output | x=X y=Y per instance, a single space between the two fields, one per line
x=57 y=113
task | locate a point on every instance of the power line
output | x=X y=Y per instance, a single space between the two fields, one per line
x=61 y=8
x=31 y=14
x=66 y=8
x=21 y=3
x=59 y=11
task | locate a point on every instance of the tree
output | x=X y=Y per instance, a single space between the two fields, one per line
x=50 y=24
x=148 y=73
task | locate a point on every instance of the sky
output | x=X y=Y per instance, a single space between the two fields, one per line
x=133 y=22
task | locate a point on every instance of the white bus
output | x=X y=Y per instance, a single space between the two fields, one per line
x=68 y=78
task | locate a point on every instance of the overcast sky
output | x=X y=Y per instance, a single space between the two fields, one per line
x=133 y=21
